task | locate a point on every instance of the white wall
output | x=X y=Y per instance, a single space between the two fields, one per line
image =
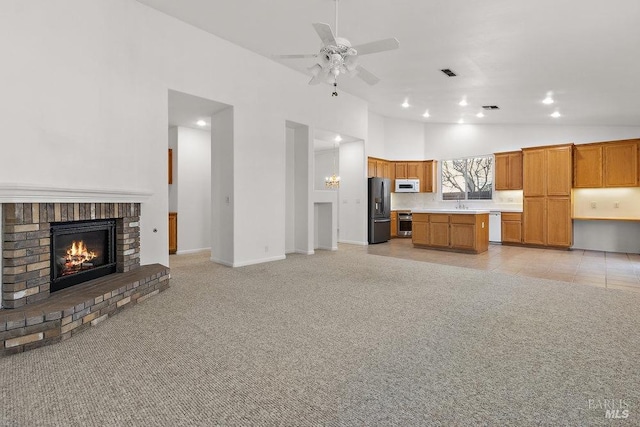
x=375 y=146
x=404 y=139
x=352 y=196
x=89 y=84
x=194 y=190
x=446 y=141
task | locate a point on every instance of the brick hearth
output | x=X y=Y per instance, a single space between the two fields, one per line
x=32 y=315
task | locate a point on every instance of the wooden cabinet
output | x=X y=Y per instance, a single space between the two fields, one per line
x=559 y=170
x=408 y=170
x=428 y=180
x=439 y=230
x=547 y=195
x=534 y=221
x=534 y=168
x=457 y=232
x=401 y=170
x=414 y=170
x=547 y=221
x=371 y=167
x=606 y=164
x=508 y=171
x=394 y=224
x=382 y=169
x=587 y=166
x=559 y=226
x=420 y=229
x=379 y=168
x=621 y=164
x=173 y=232
x=511 y=227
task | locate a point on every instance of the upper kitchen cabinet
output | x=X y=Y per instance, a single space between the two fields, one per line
x=371 y=167
x=559 y=168
x=533 y=173
x=428 y=179
x=621 y=164
x=547 y=171
x=508 y=171
x=587 y=166
x=408 y=170
x=379 y=168
x=606 y=164
x=382 y=169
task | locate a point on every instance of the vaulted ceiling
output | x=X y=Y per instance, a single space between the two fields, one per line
x=508 y=53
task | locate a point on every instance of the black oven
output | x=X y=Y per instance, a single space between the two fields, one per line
x=404 y=224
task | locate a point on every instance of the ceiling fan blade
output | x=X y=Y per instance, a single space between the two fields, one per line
x=296 y=56
x=325 y=33
x=377 y=46
x=366 y=75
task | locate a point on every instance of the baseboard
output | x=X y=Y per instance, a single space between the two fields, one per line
x=303 y=252
x=259 y=261
x=328 y=248
x=192 y=251
x=353 y=242
x=219 y=261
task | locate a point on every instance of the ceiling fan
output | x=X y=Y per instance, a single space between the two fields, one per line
x=337 y=56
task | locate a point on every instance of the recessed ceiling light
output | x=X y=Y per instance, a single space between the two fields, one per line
x=338 y=138
x=461 y=122
x=463 y=103
x=405 y=104
x=426 y=114
x=480 y=114
x=201 y=123
x=548 y=100
x=555 y=114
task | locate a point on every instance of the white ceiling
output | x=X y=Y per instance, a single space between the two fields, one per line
x=509 y=53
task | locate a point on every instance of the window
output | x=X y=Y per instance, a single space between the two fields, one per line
x=467 y=179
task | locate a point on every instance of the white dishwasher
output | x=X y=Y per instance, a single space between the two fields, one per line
x=495 y=226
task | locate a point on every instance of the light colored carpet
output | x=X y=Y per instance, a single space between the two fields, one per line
x=339 y=339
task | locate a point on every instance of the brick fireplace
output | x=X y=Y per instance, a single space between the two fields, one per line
x=32 y=314
x=27 y=238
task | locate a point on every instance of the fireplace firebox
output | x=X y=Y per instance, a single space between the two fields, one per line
x=81 y=251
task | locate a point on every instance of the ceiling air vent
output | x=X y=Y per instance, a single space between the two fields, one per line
x=490 y=107
x=448 y=72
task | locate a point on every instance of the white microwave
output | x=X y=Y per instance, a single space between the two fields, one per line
x=407 y=185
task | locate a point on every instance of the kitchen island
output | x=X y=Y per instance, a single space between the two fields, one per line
x=458 y=230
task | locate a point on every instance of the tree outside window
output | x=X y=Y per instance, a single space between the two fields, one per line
x=467 y=179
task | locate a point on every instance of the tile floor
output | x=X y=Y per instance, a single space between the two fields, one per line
x=604 y=269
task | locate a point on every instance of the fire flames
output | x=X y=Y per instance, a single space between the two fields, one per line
x=78 y=254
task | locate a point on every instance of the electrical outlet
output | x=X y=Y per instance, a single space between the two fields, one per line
x=616 y=204
x=593 y=205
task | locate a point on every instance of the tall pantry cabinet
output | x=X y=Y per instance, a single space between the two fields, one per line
x=547 y=180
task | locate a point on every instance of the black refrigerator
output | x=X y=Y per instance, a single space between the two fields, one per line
x=379 y=210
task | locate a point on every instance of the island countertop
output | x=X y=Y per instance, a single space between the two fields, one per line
x=452 y=211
